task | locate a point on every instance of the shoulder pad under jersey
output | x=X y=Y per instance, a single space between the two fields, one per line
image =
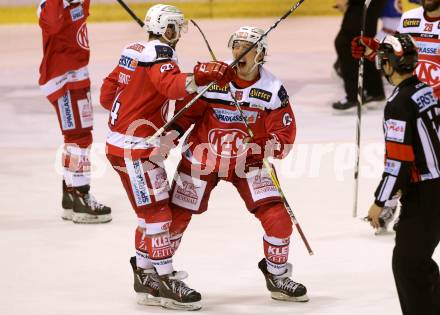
x=269 y=91
x=155 y=51
x=410 y=20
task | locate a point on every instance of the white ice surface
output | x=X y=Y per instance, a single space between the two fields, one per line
x=51 y=267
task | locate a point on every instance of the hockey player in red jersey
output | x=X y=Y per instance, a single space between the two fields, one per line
x=64 y=79
x=219 y=148
x=137 y=93
x=423 y=24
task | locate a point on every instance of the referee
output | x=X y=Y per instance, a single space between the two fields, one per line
x=412 y=165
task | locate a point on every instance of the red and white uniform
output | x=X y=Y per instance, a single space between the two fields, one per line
x=425 y=32
x=65 y=47
x=138 y=91
x=216 y=151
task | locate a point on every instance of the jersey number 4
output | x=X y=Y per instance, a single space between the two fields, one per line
x=114 y=112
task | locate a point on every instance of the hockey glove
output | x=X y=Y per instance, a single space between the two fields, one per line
x=364 y=46
x=266 y=146
x=205 y=73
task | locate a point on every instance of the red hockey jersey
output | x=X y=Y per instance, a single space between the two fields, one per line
x=426 y=34
x=138 y=91
x=216 y=141
x=65 y=47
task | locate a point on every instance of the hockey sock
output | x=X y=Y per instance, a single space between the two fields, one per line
x=142 y=260
x=76 y=165
x=160 y=252
x=276 y=251
x=175 y=241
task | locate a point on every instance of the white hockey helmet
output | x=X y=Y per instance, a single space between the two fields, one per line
x=250 y=34
x=160 y=16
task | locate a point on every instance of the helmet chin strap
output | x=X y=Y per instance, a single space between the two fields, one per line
x=388 y=77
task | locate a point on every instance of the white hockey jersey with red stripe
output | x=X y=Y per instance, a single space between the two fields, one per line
x=425 y=32
x=217 y=139
x=65 y=47
x=138 y=91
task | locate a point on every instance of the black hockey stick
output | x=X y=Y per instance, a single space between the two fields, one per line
x=360 y=98
x=132 y=14
x=266 y=163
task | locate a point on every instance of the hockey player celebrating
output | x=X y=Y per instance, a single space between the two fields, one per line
x=137 y=92
x=216 y=151
x=64 y=79
x=412 y=128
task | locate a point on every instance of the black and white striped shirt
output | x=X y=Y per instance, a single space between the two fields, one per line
x=412 y=138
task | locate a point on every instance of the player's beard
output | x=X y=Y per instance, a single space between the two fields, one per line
x=432 y=6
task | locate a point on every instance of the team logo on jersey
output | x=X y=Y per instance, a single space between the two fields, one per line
x=287 y=120
x=163 y=52
x=137 y=47
x=428 y=72
x=218 y=89
x=227 y=142
x=260 y=94
x=123 y=78
x=411 y=22
x=77 y=13
x=233 y=116
x=128 y=63
x=82 y=37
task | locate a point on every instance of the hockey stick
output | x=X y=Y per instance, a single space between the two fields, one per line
x=233 y=64
x=266 y=163
x=132 y=14
x=359 y=114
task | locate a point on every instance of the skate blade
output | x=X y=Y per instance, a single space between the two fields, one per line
x=67 y=214
x=147 y=299
x=85 y=218
x=174 y=305
x=284 y=297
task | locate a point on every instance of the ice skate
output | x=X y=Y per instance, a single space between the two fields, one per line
x=87 y=210
x=146 y=285
x=282 y=287
x=385 y=218
x=67 y=203
x=175 y=294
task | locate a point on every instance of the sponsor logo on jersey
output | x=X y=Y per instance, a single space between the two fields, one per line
x=218 y=89
x=227 y=142
x=138 y=182
x=287 y=120
x=429 y=51
x=395 y=130
x=258 y=106
x=137 y=47
x=233 y=116
x=411 y=22
x=163 y=52
x=188 y=192
x=425 y=98
x=128 y=63
x=77 y=13
x=166 y=67
x=428 y=72
x=260 y=94
x=66 y=112
x=283 y=96
x=392 y=167
x=159 y=183
x=82 y=37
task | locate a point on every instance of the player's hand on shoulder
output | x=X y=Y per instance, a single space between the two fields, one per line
x=206 y=72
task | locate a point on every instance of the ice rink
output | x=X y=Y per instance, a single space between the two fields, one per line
x=52 y=267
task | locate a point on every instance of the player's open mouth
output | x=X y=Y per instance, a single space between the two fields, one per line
x=242 y=64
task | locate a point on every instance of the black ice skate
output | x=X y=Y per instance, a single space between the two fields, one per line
x=67 y=202
x=282 y=287
x=344 y=104
x=175 y=294
x=146 y=285
x=86 y=209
